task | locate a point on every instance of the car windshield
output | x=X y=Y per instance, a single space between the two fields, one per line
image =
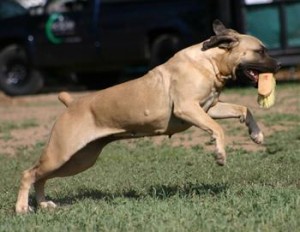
x=9 y=8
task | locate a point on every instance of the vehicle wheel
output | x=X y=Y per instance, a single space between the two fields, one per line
x=163 y=48
x=16 y=76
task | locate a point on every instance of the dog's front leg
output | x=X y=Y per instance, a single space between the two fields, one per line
x=192 y=112
x=226 y=110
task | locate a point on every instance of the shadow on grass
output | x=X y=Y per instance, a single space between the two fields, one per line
x=157 y=192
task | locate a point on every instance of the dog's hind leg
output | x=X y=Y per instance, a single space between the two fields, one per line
x=82 y=160
x=55 y=165
x=70 y=134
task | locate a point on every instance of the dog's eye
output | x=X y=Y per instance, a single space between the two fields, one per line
x=261 y=51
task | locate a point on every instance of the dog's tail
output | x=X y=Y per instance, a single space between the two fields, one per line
x=65 y=98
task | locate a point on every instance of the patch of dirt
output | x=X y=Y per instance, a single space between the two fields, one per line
x=43 y=109
x=5 y=100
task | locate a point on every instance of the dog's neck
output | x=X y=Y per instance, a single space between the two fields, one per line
x=219 y=57
x=222 y=72
x=208 y=59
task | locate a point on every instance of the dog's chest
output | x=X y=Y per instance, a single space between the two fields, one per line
x=210 y=100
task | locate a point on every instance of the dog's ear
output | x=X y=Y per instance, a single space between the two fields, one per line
x=219 y=27
x=222 y=41
x=225 y=38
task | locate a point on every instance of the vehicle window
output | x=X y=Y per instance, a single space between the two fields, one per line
x=261 y=19
x=275 y=23
x=66 y=6
x=293 y=24
x=10 y=9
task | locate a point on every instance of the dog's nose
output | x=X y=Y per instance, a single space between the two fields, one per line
x=278 y=66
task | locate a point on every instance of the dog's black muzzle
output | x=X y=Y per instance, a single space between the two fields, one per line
x=247 y=73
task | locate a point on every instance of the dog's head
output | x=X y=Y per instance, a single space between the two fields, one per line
x=244 y=56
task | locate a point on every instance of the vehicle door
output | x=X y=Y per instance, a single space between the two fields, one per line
x=122 y=31
x=64 y=34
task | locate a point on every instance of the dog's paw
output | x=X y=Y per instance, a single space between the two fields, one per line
x=47 y=204
x=257 y=137
x=22 y=209
x=220 y=161
x=242 y=119
x=220 y=158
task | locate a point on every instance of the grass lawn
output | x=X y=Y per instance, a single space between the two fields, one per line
x=150 y=187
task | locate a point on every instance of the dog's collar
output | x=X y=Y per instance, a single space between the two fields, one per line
x=218 y=75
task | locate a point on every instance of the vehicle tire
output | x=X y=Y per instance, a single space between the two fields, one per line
x=16 y=75
x=163 y=47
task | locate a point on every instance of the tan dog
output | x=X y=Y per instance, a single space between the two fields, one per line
x=174 y=96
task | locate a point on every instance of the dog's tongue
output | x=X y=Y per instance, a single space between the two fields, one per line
x=265 y=84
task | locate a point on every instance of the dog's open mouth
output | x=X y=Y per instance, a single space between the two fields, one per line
x=252 y=74
x=249 y=74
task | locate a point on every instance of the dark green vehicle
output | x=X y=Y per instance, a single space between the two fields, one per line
x=75 y=37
